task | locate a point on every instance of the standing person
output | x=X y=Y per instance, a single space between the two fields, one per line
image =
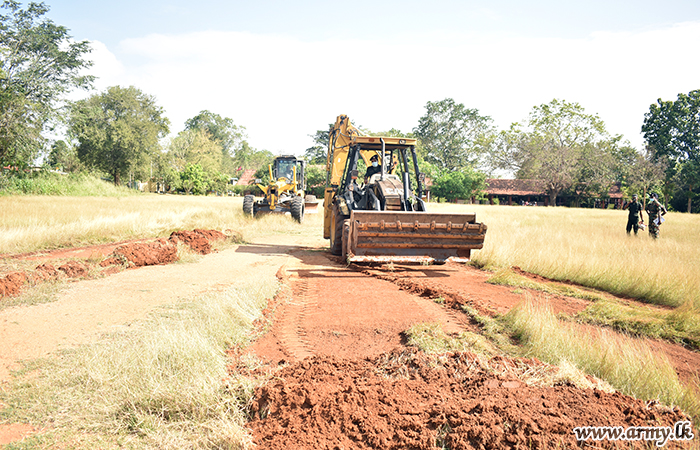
x=635 y=216
x=655 y=210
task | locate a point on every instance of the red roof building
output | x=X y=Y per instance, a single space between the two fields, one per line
x=532 y=192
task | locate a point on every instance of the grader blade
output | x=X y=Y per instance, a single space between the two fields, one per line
x=401 y=236
x=311 y=204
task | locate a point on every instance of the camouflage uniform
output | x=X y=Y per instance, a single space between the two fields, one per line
x=655 y=210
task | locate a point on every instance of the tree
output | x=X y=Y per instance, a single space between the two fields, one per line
x=672 y=130
x=463 y=184
x=39 y=64
x=318 y=153
x=118 y=130
x=195 y=146
x=250 y=158
x=452 y=136
x=560 y=143
x=686 y=180
x=316 y=180
x=645 y=173
x=229 y=136
x=193 y=179
x=64 y=157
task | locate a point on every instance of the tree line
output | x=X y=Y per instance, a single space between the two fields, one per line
x=119 y=133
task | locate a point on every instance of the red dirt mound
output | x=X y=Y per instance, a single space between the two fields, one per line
x=132 y=254
x=74 y=269
x=46 y=272
x=197 y=240
x=406 y=400
x=147 y=253
x=12 y=283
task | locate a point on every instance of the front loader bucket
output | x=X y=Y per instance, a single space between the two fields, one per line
x=402 y=236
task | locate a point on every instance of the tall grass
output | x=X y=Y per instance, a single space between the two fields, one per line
x=160 y=385
x=590 y=247
x=627 y=364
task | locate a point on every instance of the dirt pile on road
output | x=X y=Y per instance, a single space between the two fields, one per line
x=141 y=254
x=198 y=240
x=407 y=399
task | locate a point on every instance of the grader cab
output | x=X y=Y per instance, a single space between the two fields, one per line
x=285 y=191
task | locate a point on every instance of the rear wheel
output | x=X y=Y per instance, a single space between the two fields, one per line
x=297 y=209
x=248 y=202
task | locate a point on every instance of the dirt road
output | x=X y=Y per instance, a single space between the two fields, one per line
x=348 y=380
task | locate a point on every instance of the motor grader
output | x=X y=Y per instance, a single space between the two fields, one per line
x=384 y=218
x=285 y=191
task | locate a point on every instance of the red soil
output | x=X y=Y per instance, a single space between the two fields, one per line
x=342 y=376
x=405 y=400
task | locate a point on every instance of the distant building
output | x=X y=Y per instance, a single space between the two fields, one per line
x=518 y=192
x=532 y=192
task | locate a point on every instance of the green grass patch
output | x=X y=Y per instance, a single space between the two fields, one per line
x=507 y=277
x=54 y=184
x=681 y=325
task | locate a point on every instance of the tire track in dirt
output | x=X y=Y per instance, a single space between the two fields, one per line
x=333 y=311
x=291 y=331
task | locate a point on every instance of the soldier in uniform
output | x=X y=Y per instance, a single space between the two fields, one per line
x=374 y=168
x=635 y=214
x=655 y=210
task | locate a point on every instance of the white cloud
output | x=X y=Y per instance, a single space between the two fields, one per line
x=108 y=70
x=283 y=89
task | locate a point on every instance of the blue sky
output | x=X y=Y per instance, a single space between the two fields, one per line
x=285 y=69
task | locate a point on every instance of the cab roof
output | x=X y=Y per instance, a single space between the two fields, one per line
x=390 y=143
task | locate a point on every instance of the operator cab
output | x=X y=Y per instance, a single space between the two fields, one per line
x=384 y=190
x=286 y=166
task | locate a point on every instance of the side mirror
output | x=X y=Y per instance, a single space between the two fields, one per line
x=258 y=181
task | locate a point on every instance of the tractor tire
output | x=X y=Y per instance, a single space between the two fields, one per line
x=248 y=204
x=346 y=239
x=297 y=209
x=337 y=231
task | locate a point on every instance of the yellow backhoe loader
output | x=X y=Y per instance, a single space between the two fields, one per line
x=285 y=192
x=384 y=217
